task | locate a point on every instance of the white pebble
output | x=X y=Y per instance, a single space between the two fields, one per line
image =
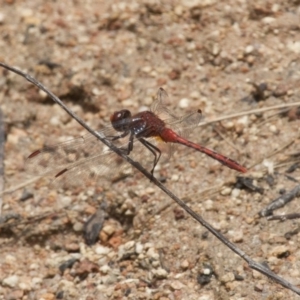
x=184 y=103
x=105 y=269
x=139 y=248
x=160 y=273
x=249 y=49
x=101 y=250
x=11 y=281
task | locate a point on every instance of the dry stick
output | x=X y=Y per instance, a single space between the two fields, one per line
x=226 y=140
x=284 y=217
x=252 y=264
x=249 y=112
x=21 y=185
x=280 y=201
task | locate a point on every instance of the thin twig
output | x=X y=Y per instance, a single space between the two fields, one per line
x=289 y=143
x=284 y=217
x=250 y=112
x=20 y=186
x=252 y=264
x=226 y=140
x=280 y=202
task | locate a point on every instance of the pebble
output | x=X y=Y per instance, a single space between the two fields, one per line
x=151 y=253
x=268 y=20
x=127 y=248
x=184 y=264
x=11 y=281
x=47 y=296
x=249 y=49
x=294 y=46
x=184 y=103
x=78 y=227
x=24 y=286
x=195 y=95
x=101 y=250
x=72 y=247
x=10 y=259
x=36 y=281
x=226 y=191
x=15 y=295
x=237 y=236
x=2 y=18
x=280 y=250
x=139 y=248
x=109 y=229
x=160 y=273
x=209 y=204
x=105 y=269
x=176 y=285
x=228 y=277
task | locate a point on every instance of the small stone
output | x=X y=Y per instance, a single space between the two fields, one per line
x=175 y=177
x=24 y=286
x=228 y=277
x=139 y=248
x=47 y=296
x=72 y=247
x=176 y=285
x=109 y=230
x=10 y=259
x=294 y=46
x=256 y=274
x=86 y=267
x=237 y=236
x=258 y=287
x=2 y=18
x=126 y=249
x=184 y=103
x=208 y=204
x=15 y=295
x=195 y=95
x=226 y=191
x=78 y=227
x=174 y=74
x=11 y=281
x=160 y=273
x=151 y=253
x=34 y=266
x=249 y=49
x=280 y=251
x=273 y=129
x=36 y=281
x=206 y=271
x=105 y=269
x=101 y=250
x=268 y=20
x=185 y=264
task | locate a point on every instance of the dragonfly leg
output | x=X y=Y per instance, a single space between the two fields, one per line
x=116 y=137
x=154 y=150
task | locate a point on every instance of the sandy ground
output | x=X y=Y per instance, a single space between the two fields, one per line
x=101 y=56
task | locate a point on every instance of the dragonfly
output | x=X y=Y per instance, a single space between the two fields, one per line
x=85 y=157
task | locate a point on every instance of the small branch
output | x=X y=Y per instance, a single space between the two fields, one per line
x=280 y=202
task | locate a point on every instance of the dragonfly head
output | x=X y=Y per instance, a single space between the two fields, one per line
x=120 y=120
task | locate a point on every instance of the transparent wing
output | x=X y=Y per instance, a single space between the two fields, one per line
x=78 y=160
x=182 y=125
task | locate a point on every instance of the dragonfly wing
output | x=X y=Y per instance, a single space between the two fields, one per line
x=159 y=105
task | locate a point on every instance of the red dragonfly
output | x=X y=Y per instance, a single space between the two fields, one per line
x=85 y=156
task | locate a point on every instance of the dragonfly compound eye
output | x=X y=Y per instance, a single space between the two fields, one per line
x=119 y=119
